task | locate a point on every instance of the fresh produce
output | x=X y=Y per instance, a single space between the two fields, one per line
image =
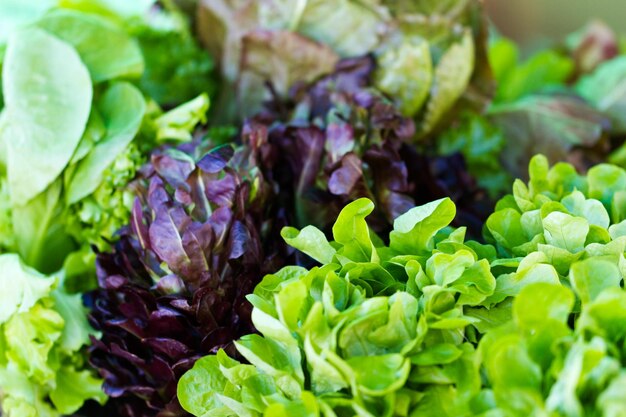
x=75 y=127
x=338 y=139
x=304 y=246
x=375 y=330
x=539 y=364
x=74 y=132
x=42 y=331
x=429 y=54
x=202 y=234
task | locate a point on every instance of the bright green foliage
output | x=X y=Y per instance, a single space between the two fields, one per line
x=42 y=330
x=563 y=225
x=538 y=365
x=75 y=133
x=375 y=331
x=540 y=72
x=606 y=89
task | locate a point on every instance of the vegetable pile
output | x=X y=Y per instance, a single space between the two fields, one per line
x=308 y=208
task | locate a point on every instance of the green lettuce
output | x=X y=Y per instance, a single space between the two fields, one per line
x=540 y=364
x=559 y=226
x=76 y=130
x=376 y=330
x=43 y=329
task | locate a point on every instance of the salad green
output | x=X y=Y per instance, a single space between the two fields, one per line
x=375 y=330
x=42 y=332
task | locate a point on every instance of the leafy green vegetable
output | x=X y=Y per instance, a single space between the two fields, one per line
x=539 y=365
x=76 y=134
x=105 y=48
x=47 y=93
x=567 y=227
x=42 y=331
x=605 y=88
x=543 y=70
x=426 y=55
x=375 y=330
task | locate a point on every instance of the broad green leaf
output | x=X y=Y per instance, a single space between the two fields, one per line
x=541 y=301
x=197 y=388
x=606 y=89
x=506 y=228
x=348 y=26
x=590 y=209
x=405 y=72
x=106 y=49
x=73 y=388
x=380 y=375
x=413 y=231
x=452 y=75
x=76 y=329
x=591 y=276
x=22 y=286
x=351 y=231
x=15 y=14
x=47 y=92
x=605 y=180
x=122 y=108
x=605 y=316
x=565 y=231
x=42 y=240
x=311 y=241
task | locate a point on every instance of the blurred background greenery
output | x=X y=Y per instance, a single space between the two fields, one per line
x=534 y=22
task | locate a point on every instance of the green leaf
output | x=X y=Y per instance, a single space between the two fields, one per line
x=178 y=123
x=413 y=231
x=38 y=226
x=351 y=231
x=106 y=49
x=73 y=388
x=22 y=287
x=122 y=108
x=604 y=181
x=198 y=387
x=542 y=70
x=405 y=72
x=349 y=27
x=452 y=76
x=47 y=92
x=565 y=231
x=606 y=89
x=506 y=228
x=591 y=276
x=542 y=301
x=15 y=14
x=76 y=330
x=311 y=241
x=380 y=375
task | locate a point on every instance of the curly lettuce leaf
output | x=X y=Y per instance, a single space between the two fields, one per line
x=43 y=330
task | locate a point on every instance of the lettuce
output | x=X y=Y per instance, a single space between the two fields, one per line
x=558 y=226
x=203 y=231
x=540 y=364
x=75 y=134
x=427 y=56
x=339 y=139
x=42 y=332
x=375 y=330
